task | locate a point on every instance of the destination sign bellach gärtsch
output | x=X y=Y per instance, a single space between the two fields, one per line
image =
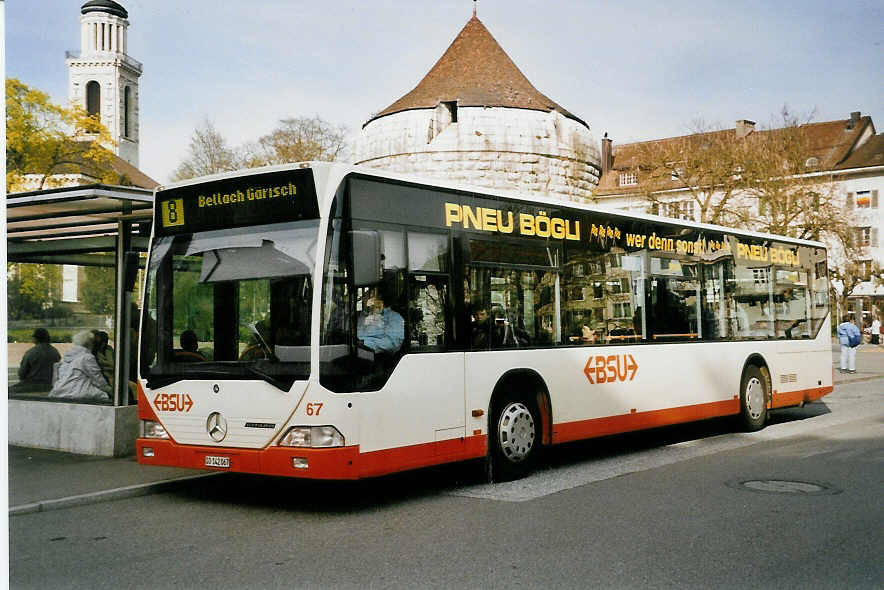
x=235 y=202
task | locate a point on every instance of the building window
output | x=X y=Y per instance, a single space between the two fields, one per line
x=597 y=291
x=686 y=210
x=863 y=199
x=126 y=110
x=93 y=99
x=759 y=276
x=864 y=236
x=628 y=179
x=451 y=106
x=617 y=286
x=680 y=209
x=622 y=310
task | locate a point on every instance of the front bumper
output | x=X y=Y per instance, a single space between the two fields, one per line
x=334 y=463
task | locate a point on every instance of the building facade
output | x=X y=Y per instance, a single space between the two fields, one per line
x=844 y=158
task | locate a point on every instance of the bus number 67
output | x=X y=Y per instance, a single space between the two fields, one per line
x=313 y=409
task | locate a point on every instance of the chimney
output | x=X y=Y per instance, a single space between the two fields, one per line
x=607 y=154
x=744 y=127
x=854 y=119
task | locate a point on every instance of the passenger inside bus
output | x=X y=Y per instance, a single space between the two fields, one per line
x=378 y=328
x=188 y=352
x=484 y=332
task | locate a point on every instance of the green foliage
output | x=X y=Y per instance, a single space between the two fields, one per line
x=26 y=335
x=44 y=139
x=33 y=291
x=98 y=291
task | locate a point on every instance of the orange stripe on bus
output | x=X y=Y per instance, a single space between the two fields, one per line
x=793 y=398
x=582 y=429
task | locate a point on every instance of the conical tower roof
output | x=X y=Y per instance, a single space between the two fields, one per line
x=475 y=71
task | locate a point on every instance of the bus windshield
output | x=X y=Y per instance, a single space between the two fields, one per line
x=231 y=303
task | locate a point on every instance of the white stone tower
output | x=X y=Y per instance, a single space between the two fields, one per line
x=475 y=118
x=102 y=78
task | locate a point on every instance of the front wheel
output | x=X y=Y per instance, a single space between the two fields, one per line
x=753 y=398
x=515 y=439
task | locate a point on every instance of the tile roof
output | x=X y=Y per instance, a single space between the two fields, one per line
x=870 y=153
x=128 y=175
x=475 y=71
x=832 y=142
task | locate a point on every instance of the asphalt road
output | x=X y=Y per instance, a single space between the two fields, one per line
x=797 y=505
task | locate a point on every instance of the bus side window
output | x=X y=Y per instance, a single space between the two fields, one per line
x=428 y=292
x=427 y=305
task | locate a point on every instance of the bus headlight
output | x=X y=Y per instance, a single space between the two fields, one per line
x=151 y=429
x=312 y=436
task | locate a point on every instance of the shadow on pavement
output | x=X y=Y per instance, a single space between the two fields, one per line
x=293 y=495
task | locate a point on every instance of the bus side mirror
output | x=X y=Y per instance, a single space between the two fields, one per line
x=366 y=248
x=130 y=270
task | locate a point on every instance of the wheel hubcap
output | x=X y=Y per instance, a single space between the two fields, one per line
x=754 y=398
x=516 y=431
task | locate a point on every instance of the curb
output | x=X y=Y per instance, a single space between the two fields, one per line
x=132 y=491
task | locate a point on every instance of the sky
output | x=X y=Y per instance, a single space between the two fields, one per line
x=635 y=70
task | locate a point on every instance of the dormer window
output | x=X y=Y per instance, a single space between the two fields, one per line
x=812 y=162
x=444 y=115
x=452 y=110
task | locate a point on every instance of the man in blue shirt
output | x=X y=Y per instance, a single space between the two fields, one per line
x=379 y=328
x=849 y=336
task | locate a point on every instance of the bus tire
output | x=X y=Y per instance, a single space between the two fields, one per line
x=753 y=398
x=516 y=435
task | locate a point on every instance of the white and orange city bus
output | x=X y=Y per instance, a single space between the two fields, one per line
x=337 y=322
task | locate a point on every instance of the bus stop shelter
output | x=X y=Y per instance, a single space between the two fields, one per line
x=88 y=225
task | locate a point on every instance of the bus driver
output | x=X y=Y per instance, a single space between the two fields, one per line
x=379 y=328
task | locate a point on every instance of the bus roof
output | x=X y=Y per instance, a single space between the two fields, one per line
x=332 y=170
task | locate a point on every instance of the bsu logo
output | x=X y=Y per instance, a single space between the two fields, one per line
x=173 y=402
x=613 y=367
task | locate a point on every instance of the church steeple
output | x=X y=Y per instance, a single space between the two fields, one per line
x=103 y=79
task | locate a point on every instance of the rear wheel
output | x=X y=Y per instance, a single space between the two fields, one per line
x=515 y=438
x=753 y=398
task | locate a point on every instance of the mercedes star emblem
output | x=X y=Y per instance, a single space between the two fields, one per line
x=216 y=426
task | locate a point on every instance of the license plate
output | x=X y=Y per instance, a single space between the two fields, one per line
x=217 y=461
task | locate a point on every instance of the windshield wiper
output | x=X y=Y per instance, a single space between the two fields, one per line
x=277 y=383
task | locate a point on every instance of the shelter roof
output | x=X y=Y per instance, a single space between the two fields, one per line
x=475 y=71
x=49 y=225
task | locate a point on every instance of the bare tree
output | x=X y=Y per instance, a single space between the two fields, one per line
x=297 y=139
x=704 y=166
x=208 y=154
x=848 y=275
x=792 y=194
